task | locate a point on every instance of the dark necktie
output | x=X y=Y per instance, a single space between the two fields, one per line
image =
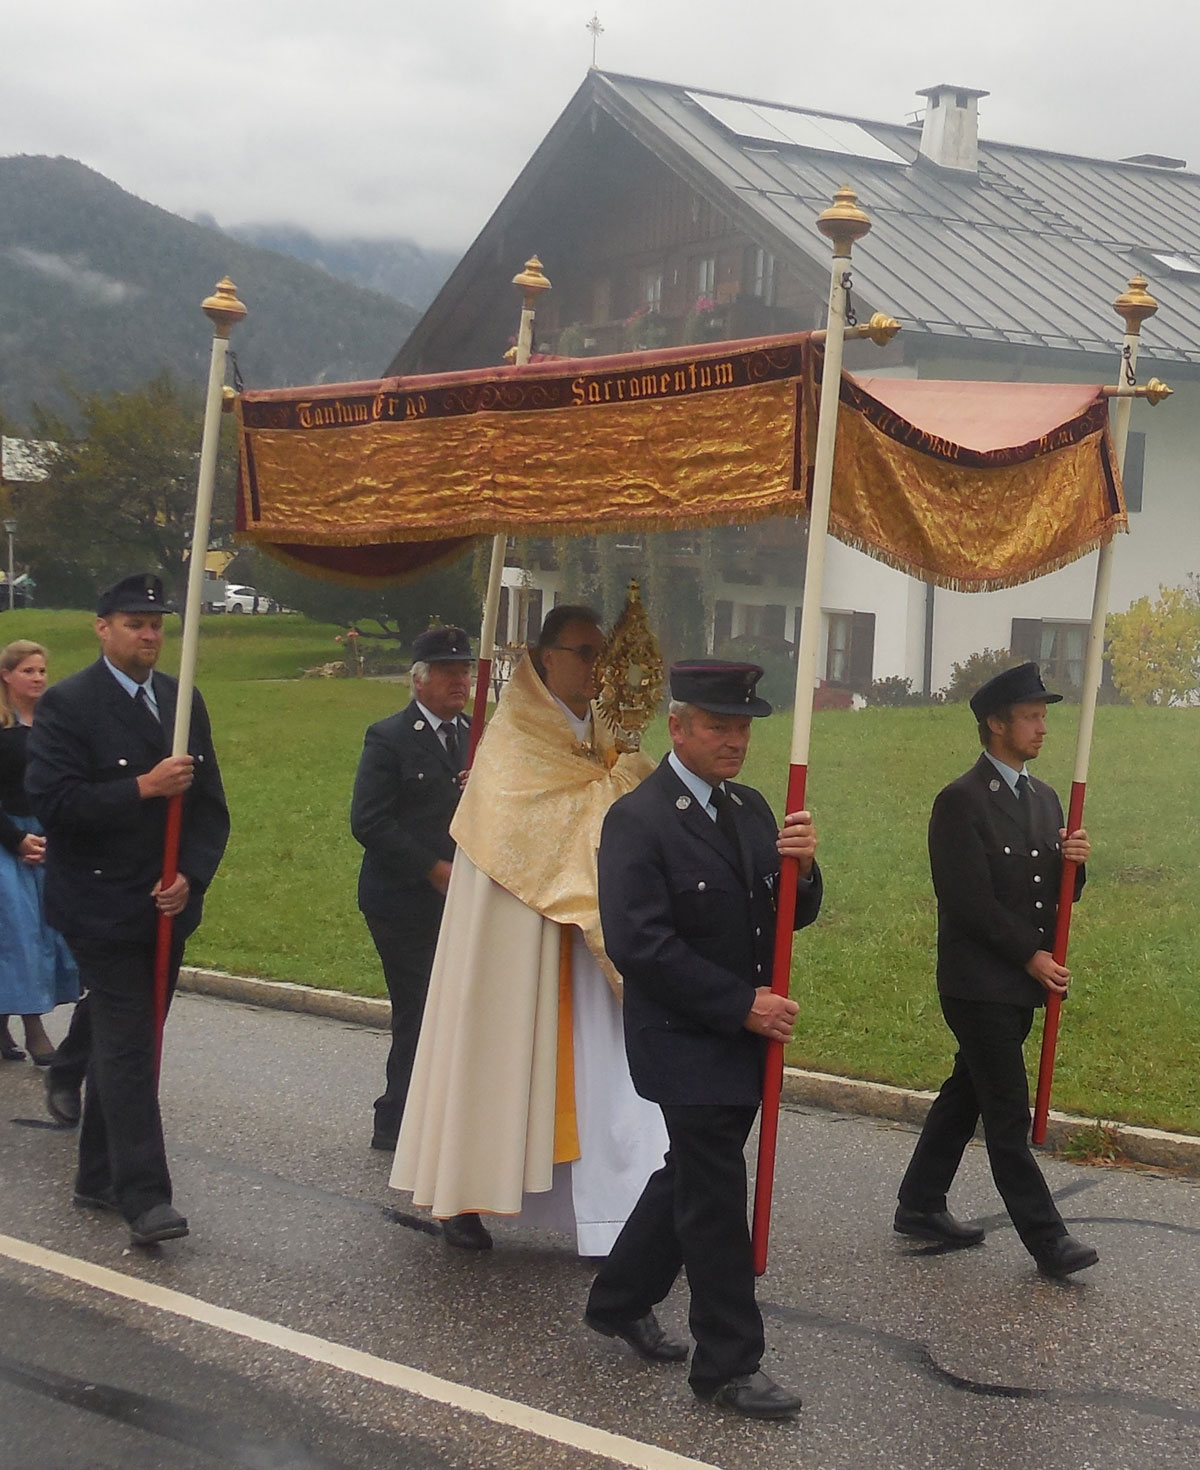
x=450 y=733
x=150 y=722
x=726 y=821
x=1025 y=802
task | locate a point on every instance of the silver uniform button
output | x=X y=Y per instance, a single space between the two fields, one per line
x=702 y=885
x=757 y=933
x=1007 y=850
x=121 y=761
x=1038 y=904
x=420 y=775
x=1037 y=877
x=418 y=724
x=98 y=872
x=1034 y=853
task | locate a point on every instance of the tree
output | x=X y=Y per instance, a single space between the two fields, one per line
x=1155 y=647
x=120 y=492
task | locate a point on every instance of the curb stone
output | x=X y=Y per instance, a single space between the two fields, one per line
x=1151 y=1147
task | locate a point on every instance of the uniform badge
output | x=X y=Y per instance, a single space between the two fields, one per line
x=993 y=786
x=735 y=798
x=683 y=802
x=420 y=725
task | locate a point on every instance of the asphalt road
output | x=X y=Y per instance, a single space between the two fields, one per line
x=313 y=1320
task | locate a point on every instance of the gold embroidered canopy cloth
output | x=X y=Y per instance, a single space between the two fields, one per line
x=970 y=485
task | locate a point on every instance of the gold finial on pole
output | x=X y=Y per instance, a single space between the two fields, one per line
x=531 y=281
x=1156 y=391
x=223 y=308
x=882 y=328
x=843 y=222
x=1135 y=305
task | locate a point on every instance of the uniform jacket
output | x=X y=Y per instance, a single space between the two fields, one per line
x=997 y=887
x=405 y=794
x=691 y=929
x=104 y=844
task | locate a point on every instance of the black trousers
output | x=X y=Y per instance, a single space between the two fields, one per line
x=406 y=943
x=692 y=1213
x=69 y=1066
x=988 y=1080
x=120 y=1134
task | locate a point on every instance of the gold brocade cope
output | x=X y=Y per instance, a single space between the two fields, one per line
x=566 y=1123
x=531 y=813
x=974 y=486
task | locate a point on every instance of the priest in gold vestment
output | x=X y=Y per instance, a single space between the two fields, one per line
x=521 y=1103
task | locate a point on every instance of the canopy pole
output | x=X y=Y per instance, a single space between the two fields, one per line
x=224 y=310
x=531 y=282
x=843 y=223
x=1135 y=305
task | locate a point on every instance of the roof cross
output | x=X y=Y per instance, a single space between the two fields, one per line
x=597 y=31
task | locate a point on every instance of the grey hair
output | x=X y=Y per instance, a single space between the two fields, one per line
x=420 y=672
x=679 y=707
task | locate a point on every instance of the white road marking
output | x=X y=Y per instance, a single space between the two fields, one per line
x=614 y=1447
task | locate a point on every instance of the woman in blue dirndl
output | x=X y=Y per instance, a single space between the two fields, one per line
x=37 y=972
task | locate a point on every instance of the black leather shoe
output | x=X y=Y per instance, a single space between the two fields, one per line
x=159 y=1222
x=62 y=1101
x=9 y=1050
x=467 y=1233
x=1064 y=1256
x=103 y=1199
x=644 y=1335
x=754 y=1395
x=939 y=1225
x=385 y=1142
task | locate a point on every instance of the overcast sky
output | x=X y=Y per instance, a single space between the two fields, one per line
x=394 y=118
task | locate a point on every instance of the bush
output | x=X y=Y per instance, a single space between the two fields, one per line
x=1155 y=647
x=975 y=671
x=895 y=692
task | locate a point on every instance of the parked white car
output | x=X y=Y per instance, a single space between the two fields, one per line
x=246 y=599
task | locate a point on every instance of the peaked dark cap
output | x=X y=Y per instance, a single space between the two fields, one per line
x=719 y=687
x=141 y=593
x=1014 y=686
x=441 y=645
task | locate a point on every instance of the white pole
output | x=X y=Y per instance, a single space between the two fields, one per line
x=844 y=223
x=1135 y=306
x=224 y=310
x=531 y=282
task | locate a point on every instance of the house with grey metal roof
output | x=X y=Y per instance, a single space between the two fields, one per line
x=664 y=213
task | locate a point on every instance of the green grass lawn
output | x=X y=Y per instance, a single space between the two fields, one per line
x=283 y=904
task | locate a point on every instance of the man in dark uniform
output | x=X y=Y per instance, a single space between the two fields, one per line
x=687 y=867
x=996 y=845
x=405 y=794
x=99 y=777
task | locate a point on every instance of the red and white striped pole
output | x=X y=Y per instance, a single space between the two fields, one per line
x=843 y=223
x=1135 y=305
x=531 y=282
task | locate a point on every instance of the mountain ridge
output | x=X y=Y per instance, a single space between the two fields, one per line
x=101 y=290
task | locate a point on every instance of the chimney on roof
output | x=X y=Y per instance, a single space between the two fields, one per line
x=950 y=132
